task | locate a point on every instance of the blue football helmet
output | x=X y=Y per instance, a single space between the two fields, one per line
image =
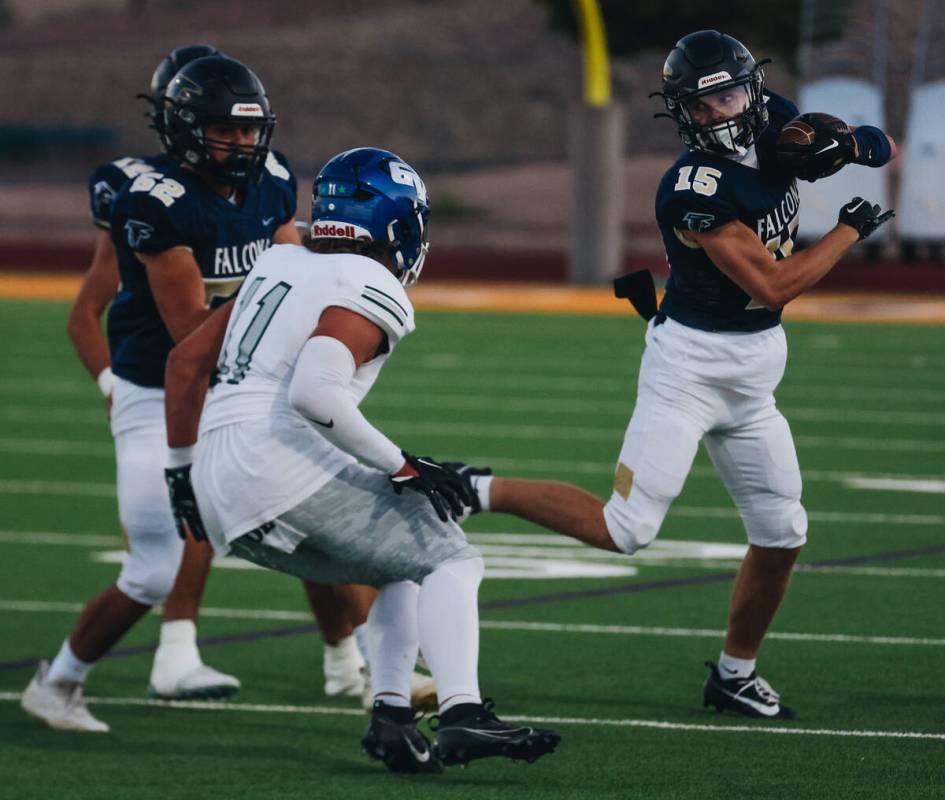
x=374 y=195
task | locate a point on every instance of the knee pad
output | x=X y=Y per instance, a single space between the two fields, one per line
x=633 y=523
x=779 y=523
x=151 y=566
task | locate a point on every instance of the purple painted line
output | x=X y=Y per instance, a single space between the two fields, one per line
x=556 y=597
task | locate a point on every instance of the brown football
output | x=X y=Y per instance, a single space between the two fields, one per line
x=800 y=133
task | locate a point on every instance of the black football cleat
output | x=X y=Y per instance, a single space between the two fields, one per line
x=392 y=737
x=472 y=730
x=751 y=696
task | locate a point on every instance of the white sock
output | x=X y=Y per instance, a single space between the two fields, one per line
x=481 y=484
x=361 y=637
x=448 y=618
x=177 y=647
x=731 y=667
x=393 y=642
x=345 y=651
x=67 y=667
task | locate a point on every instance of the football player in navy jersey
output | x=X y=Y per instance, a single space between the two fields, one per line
x=131 y=197
x=715 y=352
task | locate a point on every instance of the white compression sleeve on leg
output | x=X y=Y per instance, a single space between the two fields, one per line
x=448 y=616
x=319 y=391
x=393 y=641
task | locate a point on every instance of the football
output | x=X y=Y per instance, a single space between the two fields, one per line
x=800 y=133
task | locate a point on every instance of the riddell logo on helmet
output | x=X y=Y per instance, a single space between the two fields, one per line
x=338 y=230
x=715 y=77
x=246 y=110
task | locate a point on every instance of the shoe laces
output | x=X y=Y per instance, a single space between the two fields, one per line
x=765 y=691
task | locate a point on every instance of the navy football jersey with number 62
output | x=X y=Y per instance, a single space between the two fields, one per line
x=703 y=191
x=167 y=207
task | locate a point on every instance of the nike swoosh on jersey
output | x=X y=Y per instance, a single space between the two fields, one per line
x=268 y=220
x=833 y=143
x=329 y=424
x=421 y=757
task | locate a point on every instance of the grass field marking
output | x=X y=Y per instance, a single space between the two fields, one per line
x=700 y=633
x=896 y=485
x=626 y=387
x=69 y=488
x=505 y=404
x=540 y=383
x=54 y=607
x=502 y=431
x=58 y=539
x=845 y=517
x=668 y=553
x=259 y=708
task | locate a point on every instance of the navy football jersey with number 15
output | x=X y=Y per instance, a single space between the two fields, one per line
x=168 y=207
x=703 y=191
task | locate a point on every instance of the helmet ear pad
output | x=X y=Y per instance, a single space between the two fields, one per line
x=217 y=89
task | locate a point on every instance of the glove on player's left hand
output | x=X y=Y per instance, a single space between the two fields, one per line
x=831 y=147
x=184 y=503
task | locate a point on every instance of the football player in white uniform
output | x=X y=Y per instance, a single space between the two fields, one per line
x=276 y=477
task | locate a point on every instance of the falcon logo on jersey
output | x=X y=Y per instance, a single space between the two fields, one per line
x=697 y=222
x=137 y=232
x=237 y=260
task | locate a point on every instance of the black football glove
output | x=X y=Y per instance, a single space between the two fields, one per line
x=832 y=148
x=184 y=503
x=863 y=216
x=467 y=472
x=443 y=487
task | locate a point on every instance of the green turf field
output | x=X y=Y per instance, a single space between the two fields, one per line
x=610 y=647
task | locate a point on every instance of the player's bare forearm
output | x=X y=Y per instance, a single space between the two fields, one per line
x=187 y=376
x=98 y=289
x=560 y=507
x=739 y=253
x=177 y=286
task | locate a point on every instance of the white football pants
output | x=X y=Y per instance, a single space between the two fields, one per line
x=717 y=388
x=143 y=504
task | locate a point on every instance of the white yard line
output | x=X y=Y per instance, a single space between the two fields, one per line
x=329 y=711
x=42 y=606
x=564 y=433
x=564 y=406
x=897 y=485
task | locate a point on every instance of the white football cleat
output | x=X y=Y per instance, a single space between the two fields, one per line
x=198 y=683
x=343 y=667
x=59 y=705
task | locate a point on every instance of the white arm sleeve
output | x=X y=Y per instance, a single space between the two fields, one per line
x=319 y=391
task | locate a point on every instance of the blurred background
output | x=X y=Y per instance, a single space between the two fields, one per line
x=491 y=100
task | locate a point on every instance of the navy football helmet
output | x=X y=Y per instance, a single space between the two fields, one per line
x=170 y=65
x=217 y=89
x=375 y=196
x=713 y=76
